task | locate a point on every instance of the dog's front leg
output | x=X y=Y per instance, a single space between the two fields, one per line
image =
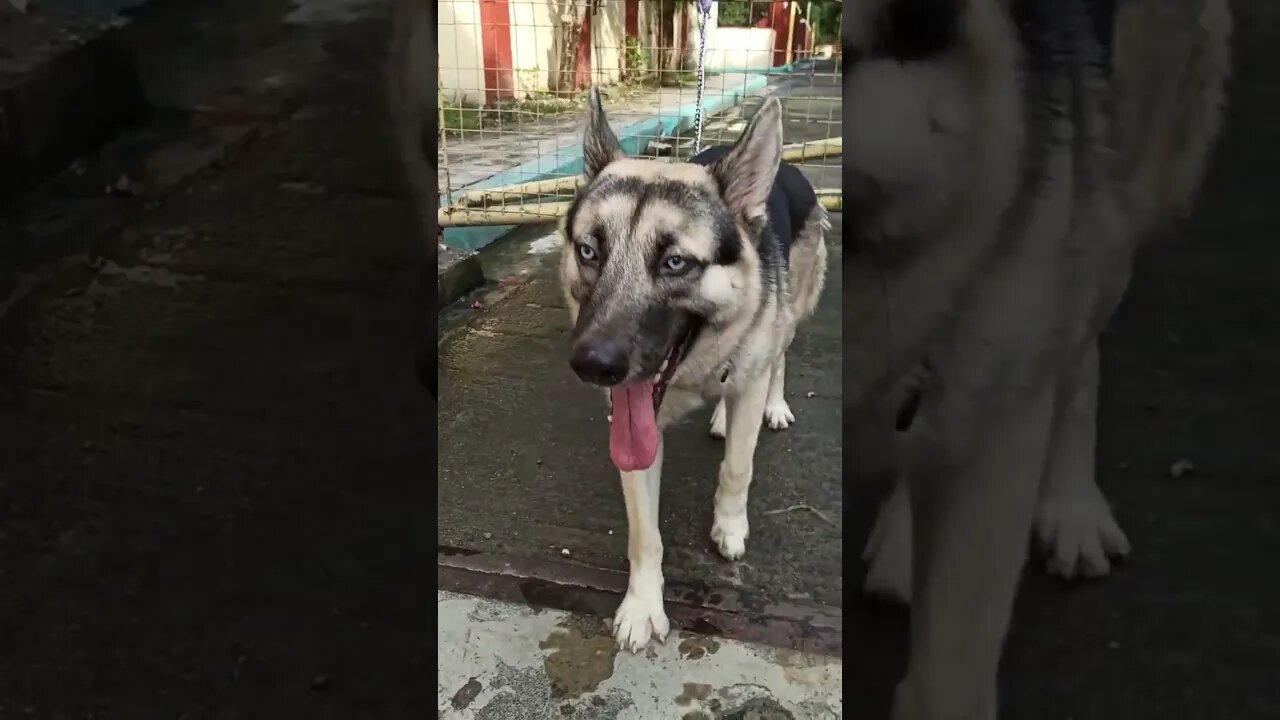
x=971 y=527
x=744 y=414
x=1074 y=524
x=777 y=412
x=641 y=615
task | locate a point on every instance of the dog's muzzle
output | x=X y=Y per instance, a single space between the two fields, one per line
x=600 y=362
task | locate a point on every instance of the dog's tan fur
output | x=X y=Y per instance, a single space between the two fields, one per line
x=737 y=359
x=975 y=310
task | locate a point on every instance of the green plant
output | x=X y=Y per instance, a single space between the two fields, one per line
x=824 y=18
x=637 y=60
x=734 y=13
x=513 y=112
x=460 y=118
x=529 y=77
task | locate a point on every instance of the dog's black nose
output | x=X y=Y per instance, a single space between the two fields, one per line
x=602 y=363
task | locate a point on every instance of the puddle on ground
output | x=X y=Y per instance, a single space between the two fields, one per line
x=696 y=647
x=581 y=657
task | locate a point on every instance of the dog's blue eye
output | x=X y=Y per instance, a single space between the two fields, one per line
x=586 y=252
x=676 y=264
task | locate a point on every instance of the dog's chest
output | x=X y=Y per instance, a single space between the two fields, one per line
x=752 y=361
x=728 y=377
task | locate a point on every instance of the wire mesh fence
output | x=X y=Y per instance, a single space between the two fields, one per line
x=513 y=76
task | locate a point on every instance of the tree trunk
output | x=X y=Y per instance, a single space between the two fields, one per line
x=666 y=54
x=571 y=14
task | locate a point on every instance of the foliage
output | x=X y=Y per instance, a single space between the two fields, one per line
x=637 y=59
x=824 y=18
x=507 y=114
x=824 y=15
x=735 y=13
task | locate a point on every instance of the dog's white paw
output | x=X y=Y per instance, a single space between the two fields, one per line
x=888 y=550
x=729 y=532
x=778 y=415
x=639 y=618
x=717 y=421
x=1079 y=534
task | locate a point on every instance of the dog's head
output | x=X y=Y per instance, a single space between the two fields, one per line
x=654 y=251
x=932 y=118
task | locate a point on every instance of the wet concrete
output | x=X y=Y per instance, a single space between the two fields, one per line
x=581 y=656
x=502 y=661
x=211 y=482
x=549 y=484
x=457 y=273
x=68 y=83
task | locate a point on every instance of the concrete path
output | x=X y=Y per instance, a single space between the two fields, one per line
x=501 y=661
x=214 y=496
x=503 y=374
x=67 y=83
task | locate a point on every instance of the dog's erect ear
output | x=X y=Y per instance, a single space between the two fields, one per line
x=746 y=174
x=599 y=145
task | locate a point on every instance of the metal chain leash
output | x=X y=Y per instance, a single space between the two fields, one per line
x=704 y=11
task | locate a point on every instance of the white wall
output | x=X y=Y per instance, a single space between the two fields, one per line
x=731 y=48
x=535 y=33
x=609 y=39
x=735 y=48
x=461 y=57
x=535 y=29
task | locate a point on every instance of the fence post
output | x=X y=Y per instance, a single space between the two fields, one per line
x=791 y=28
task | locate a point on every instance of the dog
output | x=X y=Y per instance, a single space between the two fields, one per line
x=1004 y=161
x=685 y=282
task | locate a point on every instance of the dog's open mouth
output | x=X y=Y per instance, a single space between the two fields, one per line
x=633 y=434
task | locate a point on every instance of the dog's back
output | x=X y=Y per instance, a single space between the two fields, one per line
x=791 y=200
x=1006 y=158
x=792 y=242
x=1170 y=61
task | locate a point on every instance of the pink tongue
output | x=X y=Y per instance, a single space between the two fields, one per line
x=633 y=436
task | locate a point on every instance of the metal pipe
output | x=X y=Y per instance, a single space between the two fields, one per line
x=536 y=213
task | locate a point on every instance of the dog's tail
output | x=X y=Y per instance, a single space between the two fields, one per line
x=1168 y=55
x=807 y=271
